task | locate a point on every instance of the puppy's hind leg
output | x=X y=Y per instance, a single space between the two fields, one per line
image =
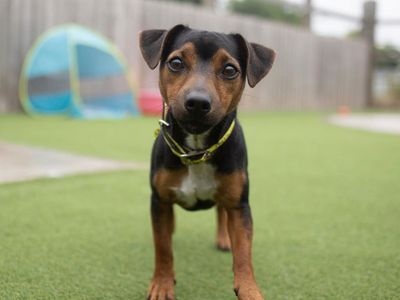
x=223 y=241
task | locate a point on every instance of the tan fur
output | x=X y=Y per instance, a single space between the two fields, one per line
x=162 y=283
x=166 y=180
x=223 y=241
x=225 y=94
x=230 y=188
x=234 y=221
x=229 y=91
x=240 y=232
x=172 y=84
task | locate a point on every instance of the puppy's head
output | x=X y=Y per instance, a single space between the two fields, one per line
x=202 y=73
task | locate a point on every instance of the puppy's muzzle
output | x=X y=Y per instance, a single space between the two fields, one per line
x=197 y=104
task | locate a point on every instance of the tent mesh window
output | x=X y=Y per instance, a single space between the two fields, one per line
x=72 y=70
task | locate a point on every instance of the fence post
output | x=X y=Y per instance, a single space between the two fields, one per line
x=307 y=14
x=208 y=3
x=368 y=32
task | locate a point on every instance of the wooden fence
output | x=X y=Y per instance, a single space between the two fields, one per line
x=311 y=72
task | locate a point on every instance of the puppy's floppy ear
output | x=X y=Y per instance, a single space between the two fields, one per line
x=152 y=43
x=259 y=60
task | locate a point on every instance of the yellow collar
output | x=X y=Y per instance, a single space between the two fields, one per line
x=187 y=156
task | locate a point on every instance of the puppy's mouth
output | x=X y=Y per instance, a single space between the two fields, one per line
x=195 y=126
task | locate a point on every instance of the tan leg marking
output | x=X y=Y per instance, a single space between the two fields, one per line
x=223 y=241
x=240 y=232
x=162 y=284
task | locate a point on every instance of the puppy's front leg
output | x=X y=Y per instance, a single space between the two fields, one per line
x=162 y=284
x=241 y=232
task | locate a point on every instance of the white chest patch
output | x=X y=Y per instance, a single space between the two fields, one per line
x=199 y=184
x=196 y=141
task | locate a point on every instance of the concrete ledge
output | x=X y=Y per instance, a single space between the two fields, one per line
x=20 y=163
x=386 y=123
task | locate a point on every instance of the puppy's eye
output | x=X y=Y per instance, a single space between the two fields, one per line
x=230 y=72
x=176 y=64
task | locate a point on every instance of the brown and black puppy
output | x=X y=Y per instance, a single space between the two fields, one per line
x=202 y=77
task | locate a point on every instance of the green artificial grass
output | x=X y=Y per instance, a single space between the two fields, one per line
x=325 y=201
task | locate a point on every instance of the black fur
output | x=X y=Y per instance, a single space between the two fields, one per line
x=255 y=62
x=230 y=157
x=229 y=160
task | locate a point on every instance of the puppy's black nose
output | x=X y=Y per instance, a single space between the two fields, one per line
x=198 y=103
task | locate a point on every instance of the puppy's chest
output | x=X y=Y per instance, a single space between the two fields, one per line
x=198 y=184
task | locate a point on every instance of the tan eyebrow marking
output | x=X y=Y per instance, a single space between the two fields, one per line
x=222 y=57
x=187 y=52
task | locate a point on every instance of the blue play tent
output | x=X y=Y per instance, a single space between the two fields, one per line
x=74 y=71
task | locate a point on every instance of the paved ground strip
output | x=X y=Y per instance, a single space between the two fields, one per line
x=386 y=123
x=20 y=163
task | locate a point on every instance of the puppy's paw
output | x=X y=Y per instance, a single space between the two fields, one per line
x=161 y=288
x=248 y=292
x=223 y=243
